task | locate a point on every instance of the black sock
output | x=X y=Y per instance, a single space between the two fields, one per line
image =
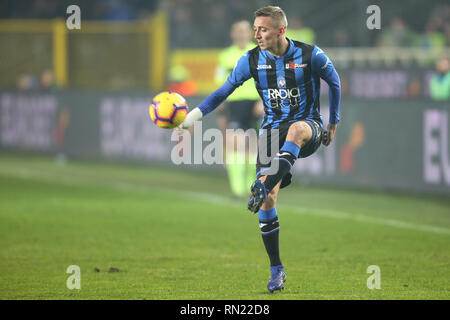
x=270 y=231
x=284 y=160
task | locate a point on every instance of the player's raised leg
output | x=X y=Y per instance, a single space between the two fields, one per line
x=298 y=135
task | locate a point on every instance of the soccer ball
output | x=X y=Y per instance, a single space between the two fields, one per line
x=168 y=109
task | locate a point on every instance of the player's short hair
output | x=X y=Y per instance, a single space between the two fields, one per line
x=276 y=13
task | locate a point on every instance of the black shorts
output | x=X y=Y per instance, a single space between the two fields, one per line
x=239 y=114
x=268 y=137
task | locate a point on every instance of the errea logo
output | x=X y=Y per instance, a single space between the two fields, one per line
x=263 y=66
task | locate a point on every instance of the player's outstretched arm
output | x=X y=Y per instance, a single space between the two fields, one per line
x=334 y=96
x=209 y=104
x=324 y=68
x=238 y=76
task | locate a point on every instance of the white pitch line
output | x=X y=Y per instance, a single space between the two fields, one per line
x=361 y=218
x=214 y=199
x=218 y=199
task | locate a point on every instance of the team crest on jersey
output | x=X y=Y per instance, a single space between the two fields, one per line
x=292 y=65
x=263 y=66
x=281 y=82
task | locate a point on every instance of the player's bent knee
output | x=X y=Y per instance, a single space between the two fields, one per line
x=299 y=132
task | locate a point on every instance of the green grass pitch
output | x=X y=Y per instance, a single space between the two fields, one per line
x=175 y=234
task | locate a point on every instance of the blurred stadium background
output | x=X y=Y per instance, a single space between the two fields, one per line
x=127 y=51
x=71 y=95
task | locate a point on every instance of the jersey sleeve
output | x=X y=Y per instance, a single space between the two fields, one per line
x=241 y=72
x=322 y=66
x=212 y=101
x=320 y=63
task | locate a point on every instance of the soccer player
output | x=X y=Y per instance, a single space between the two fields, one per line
x=241 y=111
x=287 y=76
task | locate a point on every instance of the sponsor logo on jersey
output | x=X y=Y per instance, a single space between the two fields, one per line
x=263 y=66
x=284 y=93
x=284 y=97
x=292 y=65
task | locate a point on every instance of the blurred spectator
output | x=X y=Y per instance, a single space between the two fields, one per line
x=146 y=8
x=200 y=23
x=243 y=109
x=397 y=34
x=47 y=9
x=341 y=38
x=217 y=24
x=47 y=82
x=27 y=82
x=297 y=31
x=447 y=33
x=434 y=36
x=181 y=23
x=414 y=88
x=446 y=24
x=440 y=80
x=180 y=82
x=117 y=10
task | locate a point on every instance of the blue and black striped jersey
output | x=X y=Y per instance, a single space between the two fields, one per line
x=288 y=85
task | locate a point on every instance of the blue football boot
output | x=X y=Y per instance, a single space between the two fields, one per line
x=277 y=279
x=258 y=197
